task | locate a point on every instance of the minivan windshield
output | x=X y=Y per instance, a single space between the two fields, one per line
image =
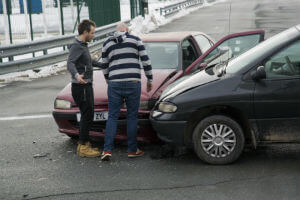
x=261 y=49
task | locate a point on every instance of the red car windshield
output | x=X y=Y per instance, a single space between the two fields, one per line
x=163 y=55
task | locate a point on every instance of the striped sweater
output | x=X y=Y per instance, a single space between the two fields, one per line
x=120 y=56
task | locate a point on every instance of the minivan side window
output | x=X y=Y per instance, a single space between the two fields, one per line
x=285 y=63
x=233 y=47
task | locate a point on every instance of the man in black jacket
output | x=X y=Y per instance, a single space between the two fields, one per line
x=80 y=65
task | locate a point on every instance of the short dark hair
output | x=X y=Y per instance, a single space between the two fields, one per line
x=85 y=25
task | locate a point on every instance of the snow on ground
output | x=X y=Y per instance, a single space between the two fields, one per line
x=138 y=26
x=29 y=75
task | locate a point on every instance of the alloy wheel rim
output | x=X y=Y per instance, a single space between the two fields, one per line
x=218 y=140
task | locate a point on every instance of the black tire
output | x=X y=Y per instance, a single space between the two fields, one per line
x=203 y=140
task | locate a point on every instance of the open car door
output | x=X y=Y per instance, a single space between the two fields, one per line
x=228 y=47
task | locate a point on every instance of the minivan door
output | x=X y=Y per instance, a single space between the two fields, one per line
x=277 y=98
x=228 y=47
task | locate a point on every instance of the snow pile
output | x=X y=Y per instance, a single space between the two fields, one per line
x=29 y=75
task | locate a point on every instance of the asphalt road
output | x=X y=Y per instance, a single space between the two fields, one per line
x=37 y=162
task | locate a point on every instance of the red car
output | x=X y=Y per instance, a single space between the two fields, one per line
x=172 y=55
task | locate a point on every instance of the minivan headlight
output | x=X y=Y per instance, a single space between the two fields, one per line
x=62 y=104
x=167 y=107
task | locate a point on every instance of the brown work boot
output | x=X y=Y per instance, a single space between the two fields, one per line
x=87 y=143
x=87 y=151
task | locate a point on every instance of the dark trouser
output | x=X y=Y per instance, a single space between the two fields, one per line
x=83 y=96
x=117 y=93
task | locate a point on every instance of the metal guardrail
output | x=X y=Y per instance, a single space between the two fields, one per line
x=9 y=51
x=174 y=8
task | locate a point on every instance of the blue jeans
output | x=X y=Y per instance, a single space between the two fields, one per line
x=118 y=92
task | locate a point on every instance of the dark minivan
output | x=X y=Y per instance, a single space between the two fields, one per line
x=251 y=99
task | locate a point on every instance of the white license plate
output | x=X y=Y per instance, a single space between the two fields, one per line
x=98 y=116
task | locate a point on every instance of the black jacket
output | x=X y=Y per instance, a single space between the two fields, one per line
x=80 y=61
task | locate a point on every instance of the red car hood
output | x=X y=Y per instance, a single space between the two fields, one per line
x=100 y=86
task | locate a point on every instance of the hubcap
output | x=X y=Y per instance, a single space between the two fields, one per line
x=218 y=140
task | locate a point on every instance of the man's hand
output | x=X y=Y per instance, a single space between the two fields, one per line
x=80 y=79
x=149 y=86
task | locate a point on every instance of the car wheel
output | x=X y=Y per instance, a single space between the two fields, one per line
x=218 y=140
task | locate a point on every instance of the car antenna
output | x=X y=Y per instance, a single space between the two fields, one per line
x=229 y=17
x=229 y=24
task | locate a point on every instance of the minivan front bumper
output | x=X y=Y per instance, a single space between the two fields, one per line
x=169 y=131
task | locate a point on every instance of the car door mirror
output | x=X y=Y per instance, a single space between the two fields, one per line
x=223 y=49
x=202 y=66
x=259 y=73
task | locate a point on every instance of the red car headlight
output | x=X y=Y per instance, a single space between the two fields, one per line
x=62 y=104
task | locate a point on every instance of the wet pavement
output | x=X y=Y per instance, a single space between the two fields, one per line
x=273 y=16
x=38 y=162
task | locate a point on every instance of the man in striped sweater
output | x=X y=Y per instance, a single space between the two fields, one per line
x=121 y=54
